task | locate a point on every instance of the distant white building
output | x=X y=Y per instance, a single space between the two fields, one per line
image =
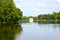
x=31 y=20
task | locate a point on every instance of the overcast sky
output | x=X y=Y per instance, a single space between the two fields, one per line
x=36 y=7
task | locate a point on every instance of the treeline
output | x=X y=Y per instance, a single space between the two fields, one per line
x=55 y=16
x=9 y=13
x=26 y=18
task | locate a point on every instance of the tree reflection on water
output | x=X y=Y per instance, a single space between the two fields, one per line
x=8 y=32
x=48 y=22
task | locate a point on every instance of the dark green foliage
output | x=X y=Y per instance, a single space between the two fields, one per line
x=55 y=16
x=8 y=12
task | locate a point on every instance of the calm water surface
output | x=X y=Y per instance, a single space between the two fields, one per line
x=35 y=31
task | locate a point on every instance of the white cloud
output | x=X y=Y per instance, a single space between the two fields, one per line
x=58 y=0
x=20 y=0
x=40 y=4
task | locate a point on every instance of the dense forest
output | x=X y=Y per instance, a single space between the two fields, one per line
x=9 y=13
x=50 y=17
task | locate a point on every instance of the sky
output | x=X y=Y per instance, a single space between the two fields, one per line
x=37 y=7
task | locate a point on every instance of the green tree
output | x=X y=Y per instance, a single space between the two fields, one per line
x=9 y=13
x=55 y=16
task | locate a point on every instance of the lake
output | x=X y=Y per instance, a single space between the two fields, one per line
x=30 y=31
x=36 y=31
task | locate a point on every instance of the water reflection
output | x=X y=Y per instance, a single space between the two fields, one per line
x=40 y=31
x=56 y=24
x=8 y=32
x=48 y=22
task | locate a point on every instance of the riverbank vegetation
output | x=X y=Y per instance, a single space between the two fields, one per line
x=50 y=17
x=9 y=13
x=26 y=18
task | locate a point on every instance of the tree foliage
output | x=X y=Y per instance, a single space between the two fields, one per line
x=9 y=13
x=54 y=16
